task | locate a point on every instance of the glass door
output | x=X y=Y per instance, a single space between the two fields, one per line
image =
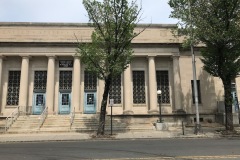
x=90 y=103
x=38 y=103
x=65 y=103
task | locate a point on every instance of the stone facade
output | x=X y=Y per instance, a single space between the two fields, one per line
x=51 y=47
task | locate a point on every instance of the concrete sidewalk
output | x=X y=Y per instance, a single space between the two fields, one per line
x=74 y=136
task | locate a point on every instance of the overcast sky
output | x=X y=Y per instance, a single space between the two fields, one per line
x=154 y=11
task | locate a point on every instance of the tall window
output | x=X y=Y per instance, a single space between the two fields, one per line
x=65 y=80
x=199 y=92
x=138 y=87
x=13 y=87
x=115 y=90
x=90 y=81
x=40 y=80
x=163 y=85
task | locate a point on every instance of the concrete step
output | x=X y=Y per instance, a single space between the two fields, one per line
x=25 y=124
x=56 y=123
x=17 y=131
x=81 y=123
x=55 y=128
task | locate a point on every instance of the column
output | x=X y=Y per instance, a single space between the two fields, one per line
x=50 y=84
x=177 y=84
x=127 y=91
x=1 y=65
x=152 y=84
x=23 y=93
x=76 y=84
x=100 y=91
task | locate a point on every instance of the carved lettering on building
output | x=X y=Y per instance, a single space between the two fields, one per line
x=65 y=64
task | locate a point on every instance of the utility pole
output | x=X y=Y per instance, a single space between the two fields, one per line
x=197 y=124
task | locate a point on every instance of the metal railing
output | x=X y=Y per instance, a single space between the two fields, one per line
x=72 y=116
x=43 y=117
x=12 y=118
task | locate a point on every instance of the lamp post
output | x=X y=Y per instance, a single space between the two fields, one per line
x=159 y=92
x=197 y=125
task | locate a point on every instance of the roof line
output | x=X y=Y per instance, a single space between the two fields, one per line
x=54 y=24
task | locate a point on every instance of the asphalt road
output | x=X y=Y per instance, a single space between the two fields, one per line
x=123 y=149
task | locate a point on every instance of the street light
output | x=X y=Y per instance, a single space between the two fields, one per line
x=159 y=92
x=197 y=125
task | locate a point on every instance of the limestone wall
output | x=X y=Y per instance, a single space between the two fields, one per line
x=72 y=33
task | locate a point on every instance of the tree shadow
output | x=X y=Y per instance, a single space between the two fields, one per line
x=89 y=124
x=209 y=97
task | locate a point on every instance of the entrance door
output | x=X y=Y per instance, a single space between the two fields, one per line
x=38 y=103
x=90 y=103
x=65 y=105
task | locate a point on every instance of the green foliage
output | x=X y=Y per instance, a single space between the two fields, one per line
x=222 y=62
x=212 y=20
x=110 y=51
x=216 y=24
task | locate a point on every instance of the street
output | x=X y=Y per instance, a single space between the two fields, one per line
x=123 y=149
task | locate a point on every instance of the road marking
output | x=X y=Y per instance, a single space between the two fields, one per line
x=146 y=158
x=210 y=157
x=179 y=157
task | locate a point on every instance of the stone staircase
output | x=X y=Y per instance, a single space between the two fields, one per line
x=81 y=123
x=56 y=123
x=89 y=123
x=2 y=124
x=25 y=124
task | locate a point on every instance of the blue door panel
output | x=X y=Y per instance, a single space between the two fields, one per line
x=64 y=103
x=38 y=103
x=90 y=103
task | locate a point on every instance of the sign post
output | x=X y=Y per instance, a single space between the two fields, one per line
x=111 y=104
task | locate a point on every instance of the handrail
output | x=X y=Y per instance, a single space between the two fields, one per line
x=72 y=117
x=43 y=117
x=12 y=118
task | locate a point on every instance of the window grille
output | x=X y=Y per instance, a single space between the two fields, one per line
x=163 y=85
x=90 y=81
x=39 y=99
x=115 y=90
x=65 y=80
x=13 y=87
x=40 y=80
x=65 y=99
x=138 y=87
x=198 y=90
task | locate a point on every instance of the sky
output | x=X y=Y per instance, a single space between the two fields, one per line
x=72 y=11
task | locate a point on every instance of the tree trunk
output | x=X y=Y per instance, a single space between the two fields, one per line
x=228 y=105
x=101 y=126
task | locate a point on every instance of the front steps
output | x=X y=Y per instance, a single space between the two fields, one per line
x=81 y=123
x=89 y=123
x=56 y=123
x=25 y=124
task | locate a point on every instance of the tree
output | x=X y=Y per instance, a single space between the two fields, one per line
x=110 y=52
x=216 y=25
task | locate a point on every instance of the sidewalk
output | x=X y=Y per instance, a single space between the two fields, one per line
x=74 y=136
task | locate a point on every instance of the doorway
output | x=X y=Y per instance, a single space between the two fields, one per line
x=65 y=103
x=90 y=103
x=38 y=103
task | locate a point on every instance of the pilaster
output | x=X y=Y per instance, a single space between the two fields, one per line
x=152 y=85
x=50 y=84
x=100 y=90
x=76 y=84
x=127 y=91
x=1 y=66
x=23 y=93
x=177 y=84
